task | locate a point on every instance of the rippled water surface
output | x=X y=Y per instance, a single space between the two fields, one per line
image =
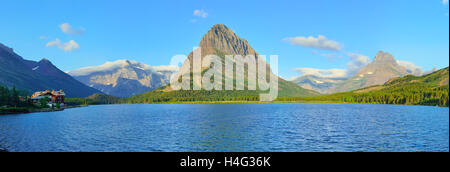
x=230 y=127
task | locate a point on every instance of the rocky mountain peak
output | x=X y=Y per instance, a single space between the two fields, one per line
x=384 y=57
x=224 y=39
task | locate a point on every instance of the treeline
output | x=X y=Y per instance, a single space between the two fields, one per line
x=412 y=94
x=415 y=94
x=13 y=97
x=96 y=99
x=192 y=96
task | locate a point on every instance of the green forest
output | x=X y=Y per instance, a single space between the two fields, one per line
x=11 y=97
x=13 y=101
x=431 y=90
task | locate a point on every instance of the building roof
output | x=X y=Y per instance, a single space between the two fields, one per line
x=48 y=92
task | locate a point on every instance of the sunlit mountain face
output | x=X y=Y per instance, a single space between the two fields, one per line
x=124 y=78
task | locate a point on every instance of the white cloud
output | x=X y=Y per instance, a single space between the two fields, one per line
x=68 y=29
x=68 y=46
x=357 y=62
x=445 y=2
x=56 y=42
x=43 y=37
x=200 y=13
x=411 y=68
x=323 y=73
x=321 y=42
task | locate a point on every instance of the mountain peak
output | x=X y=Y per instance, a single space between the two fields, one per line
x=45 y=60
x=221 y=27
x=222 y=38
x=384 y=57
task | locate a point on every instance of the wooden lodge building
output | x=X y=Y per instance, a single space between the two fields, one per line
x=54 y=96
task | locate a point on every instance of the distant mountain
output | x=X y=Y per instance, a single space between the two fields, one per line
x=37 y=76
x=222 y=41
x=431 y=90
x=383 y=68
x=316 y=83
x=124 y=78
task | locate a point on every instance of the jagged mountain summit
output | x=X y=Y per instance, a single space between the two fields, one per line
x=383 y=68
x=124 y=78
x=222 y=41
x=37 y=76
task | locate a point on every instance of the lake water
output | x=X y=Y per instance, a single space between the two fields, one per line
x=230 y=127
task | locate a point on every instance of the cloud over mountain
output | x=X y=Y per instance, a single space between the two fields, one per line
x=357 y=61
x=411 y=67
x=323 y=73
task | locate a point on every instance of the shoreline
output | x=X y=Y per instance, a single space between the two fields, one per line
x=260 y=102
x=29 y=111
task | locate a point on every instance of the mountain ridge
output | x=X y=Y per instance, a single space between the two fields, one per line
x=220 y=41
x=124 y=78
x=383 y=68
x=37 y=76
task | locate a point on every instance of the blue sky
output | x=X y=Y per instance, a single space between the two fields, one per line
x=153 y=31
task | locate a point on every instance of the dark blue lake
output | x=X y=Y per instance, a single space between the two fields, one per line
x=230 y=127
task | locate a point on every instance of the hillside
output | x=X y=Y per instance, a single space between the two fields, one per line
x=431 y=89
x=37 y=76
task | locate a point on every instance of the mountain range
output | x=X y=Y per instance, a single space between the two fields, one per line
x=124 y=78
x=383 y=68
x=34 y=76
x=221 y=41
x=127 y=78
